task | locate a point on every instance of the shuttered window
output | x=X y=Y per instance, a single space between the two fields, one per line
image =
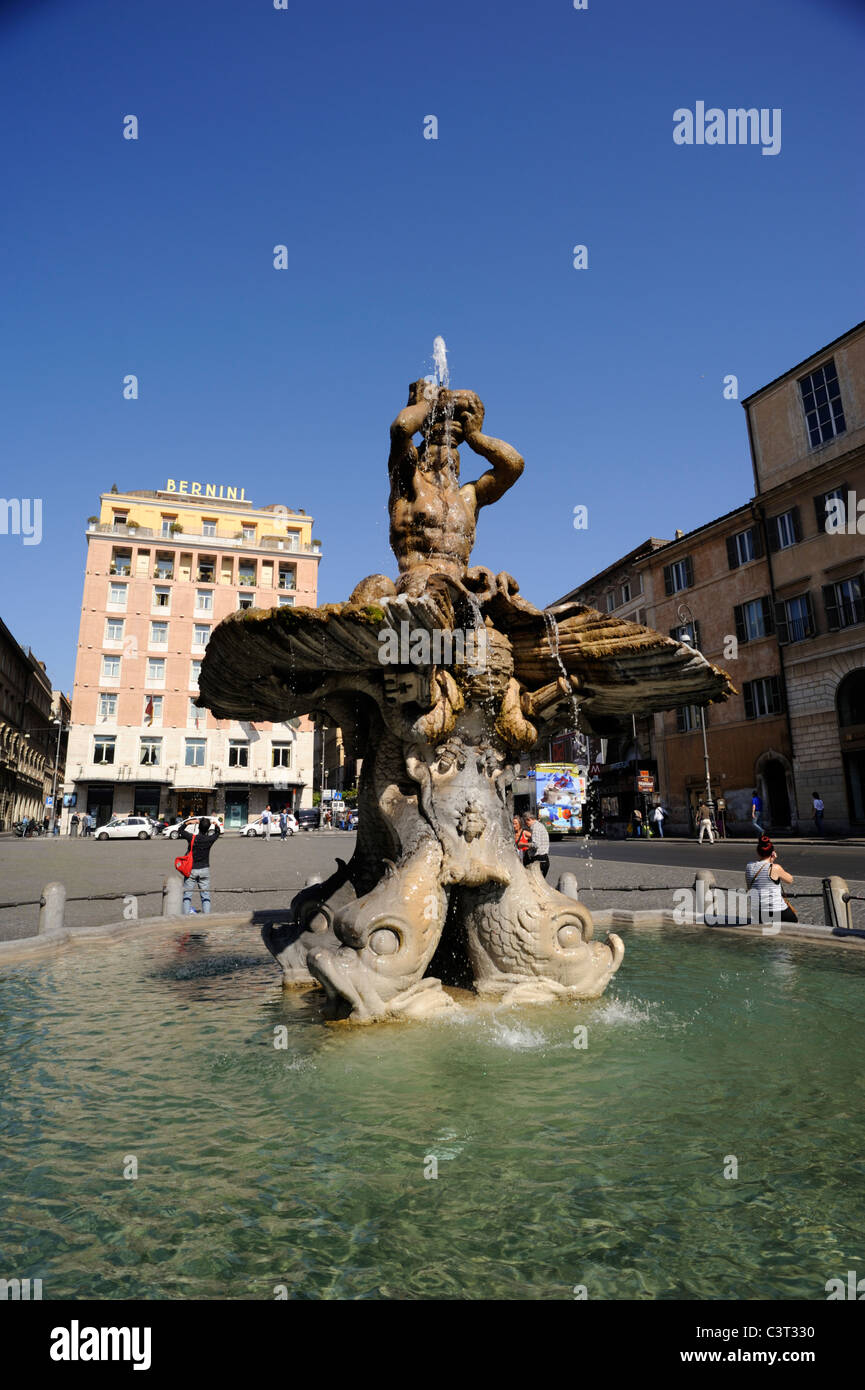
x=823 y=512
x=688 y=718
x=762 y=697
x=744 y=547
x=784 y=530
x=794 y=619
x=843 y=602
x=679 y=575
x=753 y=620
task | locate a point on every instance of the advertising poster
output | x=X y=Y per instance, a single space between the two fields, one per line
x=561 y=794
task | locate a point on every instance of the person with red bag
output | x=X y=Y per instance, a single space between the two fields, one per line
x=195 y=864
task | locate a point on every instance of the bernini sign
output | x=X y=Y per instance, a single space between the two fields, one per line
x=228 y=494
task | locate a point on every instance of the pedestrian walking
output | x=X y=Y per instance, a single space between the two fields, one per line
x=73 y=823
x=638 y=822
x=704 y=817
x=818 y=812
x=283 y=824
x=721 y=824
x=266 y=820
x=757 y=811
x=538 y=851
x=659 y=815
x=765 y=875
x=201 y=841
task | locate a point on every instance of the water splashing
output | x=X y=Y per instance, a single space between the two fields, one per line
x=440 y=379
x=440 y=357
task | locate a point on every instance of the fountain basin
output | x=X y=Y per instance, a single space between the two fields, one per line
x=557 y=1166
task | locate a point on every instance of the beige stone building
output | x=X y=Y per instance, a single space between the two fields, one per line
x=711 y=587
x=27 y=743
x=163 y=568
x=807 y=434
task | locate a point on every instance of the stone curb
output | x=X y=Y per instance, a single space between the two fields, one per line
x=611 y=918
x=47 y=943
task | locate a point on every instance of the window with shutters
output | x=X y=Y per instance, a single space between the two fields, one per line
x=786 y=529
x=688 y=718
x=762 y=697
x=626 y=593
x=821 y=401
x=753 y=620
x=795 y=619
x=611 y=600
x=844 y=603
x=824 y=513
x=744 y=547
x=678 y=575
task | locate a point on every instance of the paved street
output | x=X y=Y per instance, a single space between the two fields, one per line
x=664 y=864
x=139 y=866
x=276 y=870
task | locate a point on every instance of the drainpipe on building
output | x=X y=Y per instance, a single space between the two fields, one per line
x=760 y=517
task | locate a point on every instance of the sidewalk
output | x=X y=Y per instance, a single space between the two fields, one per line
x=777 y=836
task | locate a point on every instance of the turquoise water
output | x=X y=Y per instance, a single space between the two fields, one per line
x=303 y=1169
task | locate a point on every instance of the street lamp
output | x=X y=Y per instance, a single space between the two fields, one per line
x=323 y=728
x=690 y=640
x=60 y=727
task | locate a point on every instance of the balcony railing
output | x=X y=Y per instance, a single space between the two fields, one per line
x=192 y=540
x=108 y=528
x=247 y=580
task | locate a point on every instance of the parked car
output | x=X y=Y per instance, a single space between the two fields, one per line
x=126 y=828
x=171 y=829
x=308 y=818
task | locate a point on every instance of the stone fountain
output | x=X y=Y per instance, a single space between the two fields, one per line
x=441 y=681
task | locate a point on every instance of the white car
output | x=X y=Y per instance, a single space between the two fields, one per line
x=172 y=832
x=126 y=828
x=255 y=827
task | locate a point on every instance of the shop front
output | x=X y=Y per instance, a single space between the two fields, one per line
x=193 y=801
x=236 y=807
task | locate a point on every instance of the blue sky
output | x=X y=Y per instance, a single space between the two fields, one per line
x=305 y=127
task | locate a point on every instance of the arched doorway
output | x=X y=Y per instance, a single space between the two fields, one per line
x=774 y=780
x=777 y=800
x=850 y=702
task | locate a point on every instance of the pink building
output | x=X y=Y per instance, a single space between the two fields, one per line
x=163 y=568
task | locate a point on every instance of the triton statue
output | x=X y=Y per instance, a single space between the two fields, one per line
x=435 y=895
